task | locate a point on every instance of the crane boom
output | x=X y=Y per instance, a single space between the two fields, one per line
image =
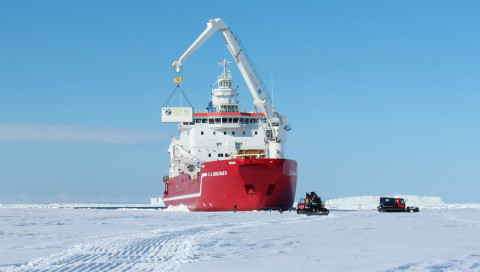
x=275 y=131
x=212 y=27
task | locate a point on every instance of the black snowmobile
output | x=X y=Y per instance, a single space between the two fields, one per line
x=312 y=204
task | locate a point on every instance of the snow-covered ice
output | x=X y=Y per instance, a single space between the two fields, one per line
x=371 y=202
x=44 y=239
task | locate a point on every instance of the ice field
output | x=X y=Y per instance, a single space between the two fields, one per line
x=48 y=238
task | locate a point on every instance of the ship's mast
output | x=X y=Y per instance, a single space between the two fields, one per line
x=224 y=64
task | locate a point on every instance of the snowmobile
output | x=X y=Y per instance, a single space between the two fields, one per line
x=390 y=204
x=312 y=204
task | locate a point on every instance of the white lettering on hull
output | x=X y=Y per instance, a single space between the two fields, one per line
x=217 y=173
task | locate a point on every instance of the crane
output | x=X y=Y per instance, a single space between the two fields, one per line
x=276 y=127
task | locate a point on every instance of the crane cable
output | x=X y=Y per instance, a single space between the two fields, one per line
x=177 y=78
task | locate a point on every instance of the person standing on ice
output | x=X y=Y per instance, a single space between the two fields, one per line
x=307 y=198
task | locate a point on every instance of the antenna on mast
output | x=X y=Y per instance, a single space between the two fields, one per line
x=224 y=63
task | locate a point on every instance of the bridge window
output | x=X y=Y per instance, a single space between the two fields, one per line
x=229 y=108
x=198 y=121
x=235 y=120
x=204 y=121
x=224 y=120
x=211 y=121
x=218 y=120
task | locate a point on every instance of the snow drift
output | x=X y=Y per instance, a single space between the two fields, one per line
x=371 y=202
x=178 y=208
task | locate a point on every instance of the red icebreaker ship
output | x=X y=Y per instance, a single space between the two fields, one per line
x=224 y=159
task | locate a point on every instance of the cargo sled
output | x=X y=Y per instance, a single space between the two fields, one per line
x=312 y=204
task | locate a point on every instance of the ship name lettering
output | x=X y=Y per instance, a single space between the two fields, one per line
x=217 y=173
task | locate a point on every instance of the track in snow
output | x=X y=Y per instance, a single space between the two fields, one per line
x=159 y=250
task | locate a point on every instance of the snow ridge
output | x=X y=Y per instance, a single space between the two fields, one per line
x=371 y=202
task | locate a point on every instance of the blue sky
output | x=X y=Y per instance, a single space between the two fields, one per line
x=383 y=96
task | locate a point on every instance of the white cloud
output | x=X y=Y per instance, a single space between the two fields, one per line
x=27 y=132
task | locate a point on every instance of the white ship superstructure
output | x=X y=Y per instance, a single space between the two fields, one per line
x=223 y=132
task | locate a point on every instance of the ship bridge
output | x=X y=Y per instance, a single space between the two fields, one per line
x=224 y=96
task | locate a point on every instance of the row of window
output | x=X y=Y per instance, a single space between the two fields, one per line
x=225 y=133
x=229 y=108
x=220 y=155
x=226 y=120
x=227 y=84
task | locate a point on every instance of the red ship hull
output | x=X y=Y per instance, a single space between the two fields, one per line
x=238 y=184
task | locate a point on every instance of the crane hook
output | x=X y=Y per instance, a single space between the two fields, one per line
x=177 y=77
